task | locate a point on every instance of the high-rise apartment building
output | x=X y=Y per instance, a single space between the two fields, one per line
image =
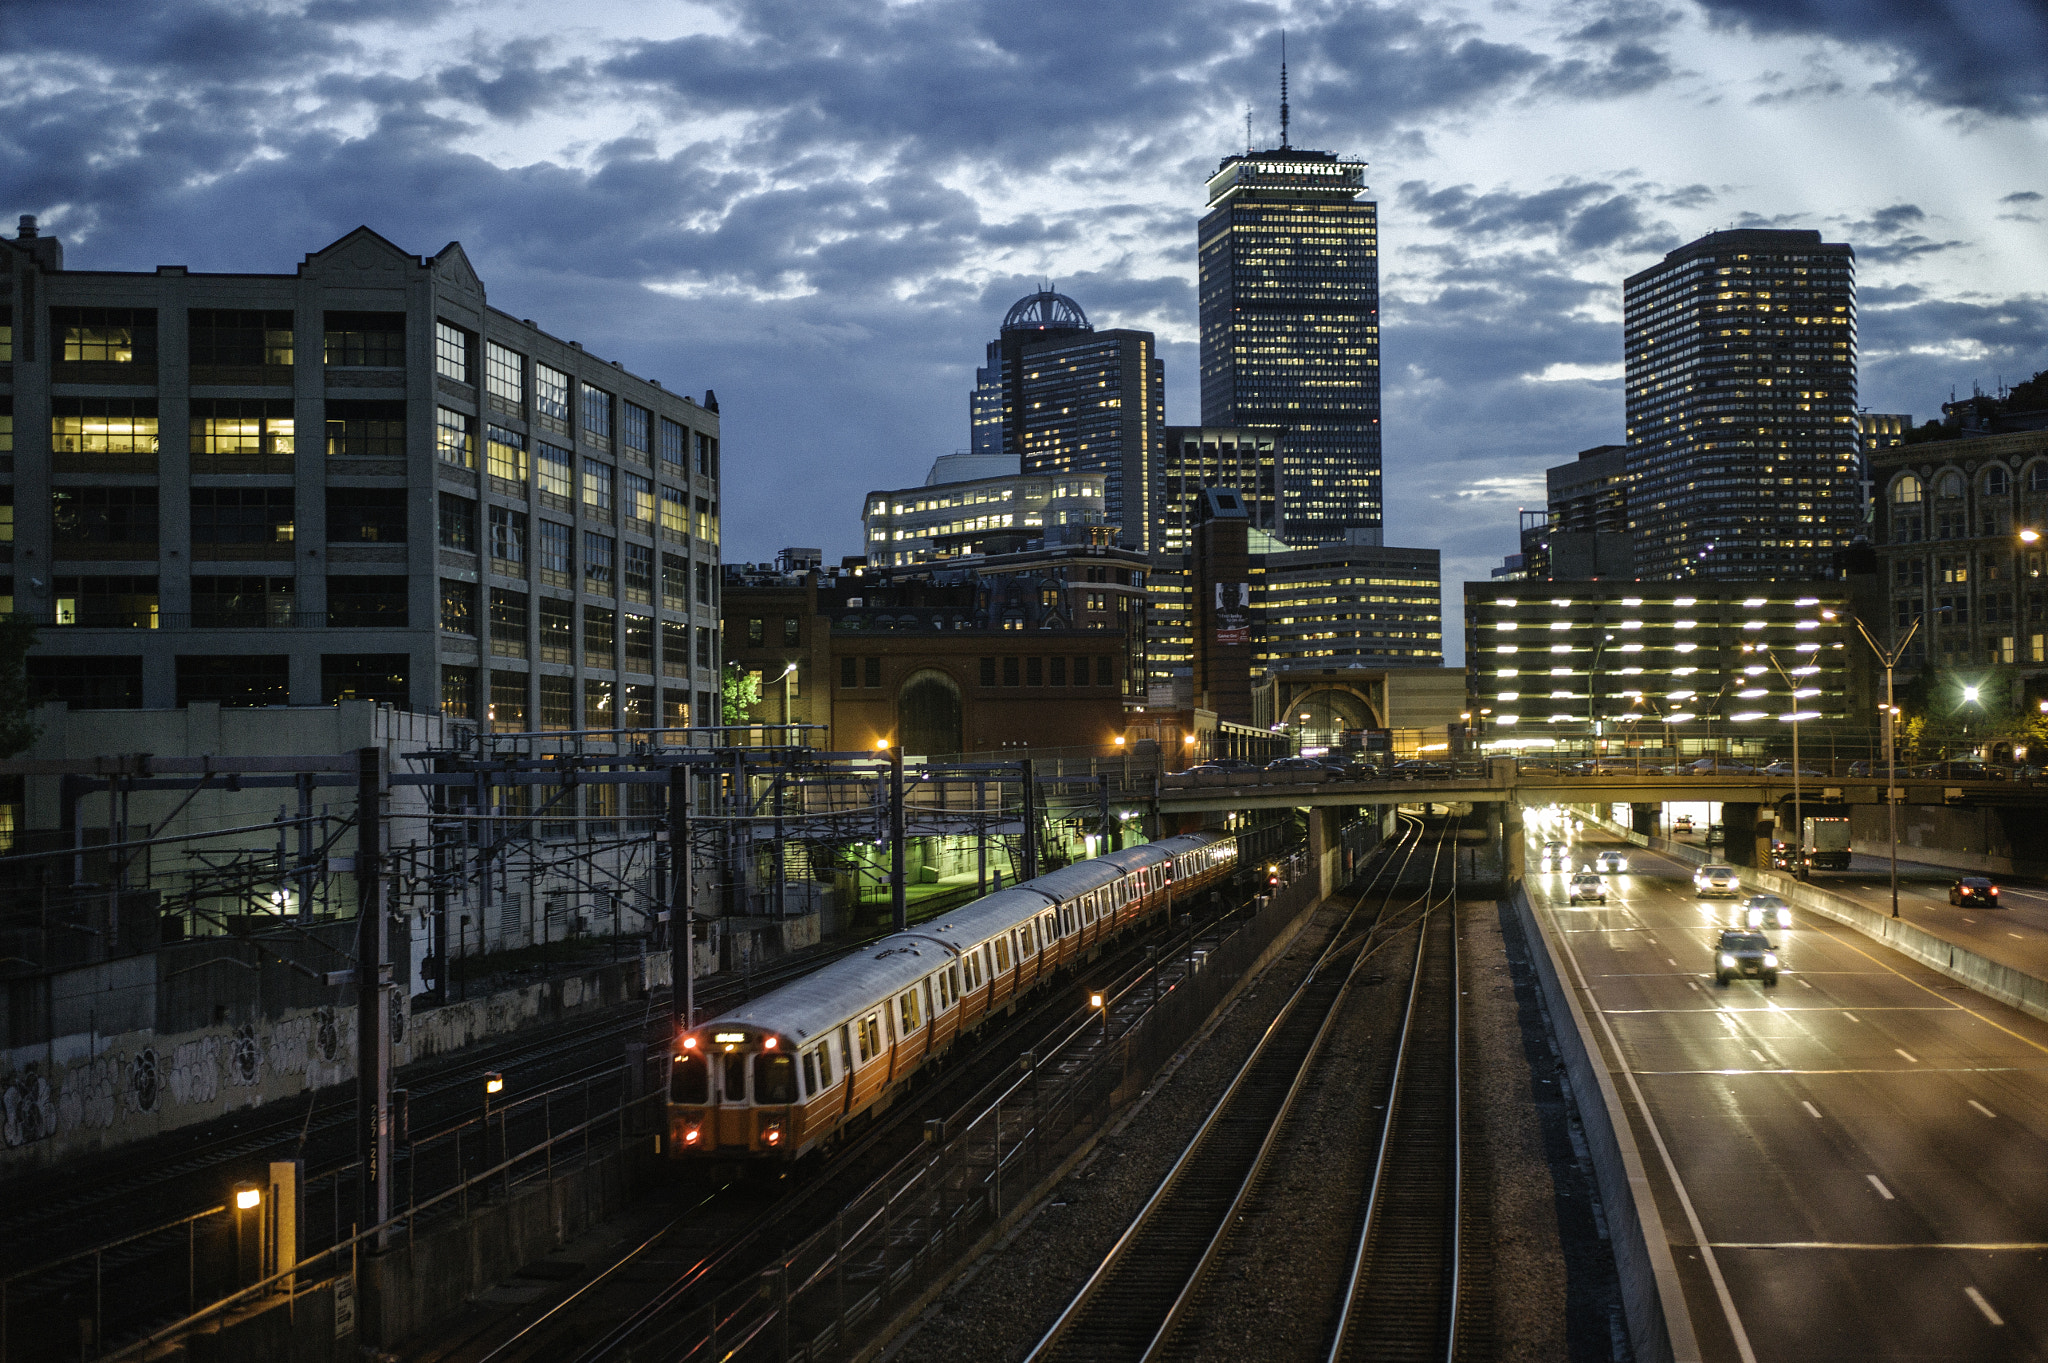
x=1068 y=399
x=1741 y=373
x=1289 y=278
x=358 y=481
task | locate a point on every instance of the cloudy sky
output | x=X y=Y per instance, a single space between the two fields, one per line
x=821 y=208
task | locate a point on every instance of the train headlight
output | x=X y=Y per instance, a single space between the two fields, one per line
x=772 y=1135
x=767 y=1043
x=690 y=1135
x=689 y=1043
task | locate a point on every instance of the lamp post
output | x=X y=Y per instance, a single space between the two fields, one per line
x=787 y=718
x=1798 y=795
x=1890 y=659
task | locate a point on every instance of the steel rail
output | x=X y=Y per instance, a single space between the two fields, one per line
x=1376 y=1195
x=1162 y=1197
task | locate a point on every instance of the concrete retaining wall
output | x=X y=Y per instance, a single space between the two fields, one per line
x=1660 y=1330
x=93 y=1091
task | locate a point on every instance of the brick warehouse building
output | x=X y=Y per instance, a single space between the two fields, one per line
x=357 y=481
x=1040 y=649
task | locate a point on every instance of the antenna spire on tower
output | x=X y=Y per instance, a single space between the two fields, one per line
x=1283 y=88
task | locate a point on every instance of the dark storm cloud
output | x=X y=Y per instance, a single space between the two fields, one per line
x=1891 y=234
x=2025 y=196
x=1584 y=216
x=1912 y=353
x=1976 y=56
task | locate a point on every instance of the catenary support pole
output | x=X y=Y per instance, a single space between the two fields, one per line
x=373 y=1045
x=899 y=909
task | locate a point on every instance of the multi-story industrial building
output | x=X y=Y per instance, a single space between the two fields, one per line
x=1070 y=400
x=1289 y=281
x=1695 y=665
x=1589 y=495
x=357 y=481
x=1741 y=376
x=1345 y=604
x=946 y=520
x=1951 y=520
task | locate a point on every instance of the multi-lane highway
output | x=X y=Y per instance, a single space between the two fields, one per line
x=1853 y=1165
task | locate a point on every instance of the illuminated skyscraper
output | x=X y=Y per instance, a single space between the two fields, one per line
x=1289 y=264
x=1742 y=429
x=1069 y=399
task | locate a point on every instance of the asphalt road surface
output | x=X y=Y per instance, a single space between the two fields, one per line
x=1863 y=1150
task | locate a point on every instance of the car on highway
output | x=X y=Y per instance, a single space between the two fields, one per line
x=1556 y=856
x=1708 y=766
x=1586 y=885
x=1786 y=769
x=1610 y=863
x=1765 y=911
x=1747 y=955
x=1419 y=770
x=1225 y=764
x=1715 y=880
x=1973 y=890
x=1315 y=764
x=1683 y=824
x=1716 y=835
x=1961 y=771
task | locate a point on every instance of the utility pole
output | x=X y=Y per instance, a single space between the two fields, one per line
x=1030 y=821
x=682 y=934
x=373 y=1044
x=1891 y=749
x=899 y=910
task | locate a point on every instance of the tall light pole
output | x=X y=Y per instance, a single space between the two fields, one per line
x=1798 y=793
x=787 y=718
x=1891 y=750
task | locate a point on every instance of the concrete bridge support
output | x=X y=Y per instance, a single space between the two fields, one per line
x=1643 y=819
x=1488 y=862
x=1326 y=849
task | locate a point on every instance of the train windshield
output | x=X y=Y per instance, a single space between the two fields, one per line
x=689 y=1079
x=774 y=1079
x=733 y=1081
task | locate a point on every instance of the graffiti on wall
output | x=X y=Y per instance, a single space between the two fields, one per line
x=27 y=1110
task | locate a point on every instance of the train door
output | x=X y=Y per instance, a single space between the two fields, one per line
x=729 y=1074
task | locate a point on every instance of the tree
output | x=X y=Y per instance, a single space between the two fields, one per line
x=741 y=692
x=17 y=725
x=2030 y=396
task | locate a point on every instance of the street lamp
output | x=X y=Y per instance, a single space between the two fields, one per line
x=1891 y=751
x=1798 y=795
x=787 y=673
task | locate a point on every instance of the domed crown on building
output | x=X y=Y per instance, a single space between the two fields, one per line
x=1046 y=311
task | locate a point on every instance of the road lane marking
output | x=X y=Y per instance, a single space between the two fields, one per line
x=1966 y=1069
x=1843 y=939
x=1803 y=984
x=1983 y=1109
x=1908 y=1054
x=2014 y=1246
x=1761 y=1057
x=2014 y=934
x=1670 y=959
x=1977 y=1299
x=1725 y=1298
x=1882 y=1191
x=1692 y=984
x=1810 y=1108
x=1852 y=1017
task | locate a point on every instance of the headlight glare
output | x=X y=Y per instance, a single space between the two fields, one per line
x=1726 y=959
x=1770 y=959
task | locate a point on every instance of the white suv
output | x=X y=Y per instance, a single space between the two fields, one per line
x=1715 y=880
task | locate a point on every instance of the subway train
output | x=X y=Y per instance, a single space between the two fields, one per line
x=783 y=1074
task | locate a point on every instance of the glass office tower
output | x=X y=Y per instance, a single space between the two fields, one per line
x=1742 y=428
x=1289 y=263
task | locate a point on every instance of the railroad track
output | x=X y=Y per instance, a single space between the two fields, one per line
x=1147 y=1289
x=646 y=1302
x=1401 y=1298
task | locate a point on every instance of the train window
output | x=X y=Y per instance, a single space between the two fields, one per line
x=732 y=1082
x=954 y=971
x=870 y=1037
x=810 y=1073
x=689 y=1079
x=907 y=1008
x=1051 y=927
x=775 y=1078
x=1003 y=954
x=825 y=1062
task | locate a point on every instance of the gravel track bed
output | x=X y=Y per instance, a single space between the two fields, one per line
x=1551 y=1279
x=1005 y=1301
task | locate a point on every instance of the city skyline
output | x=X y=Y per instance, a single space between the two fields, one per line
x=821 y=216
